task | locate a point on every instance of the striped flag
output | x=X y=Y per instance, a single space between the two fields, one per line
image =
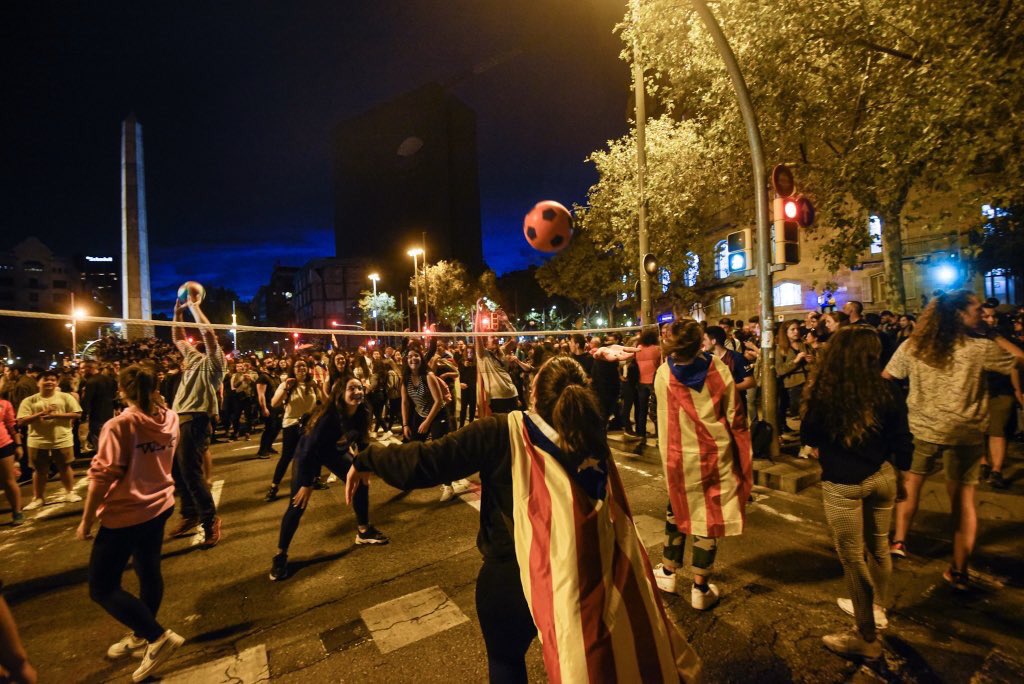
x=705 y=451
x=585 y=573
x=483 y=397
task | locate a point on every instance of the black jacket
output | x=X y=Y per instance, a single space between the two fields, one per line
x=482 y=446
x=890 y=441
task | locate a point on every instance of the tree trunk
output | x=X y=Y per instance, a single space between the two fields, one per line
x=892 y=261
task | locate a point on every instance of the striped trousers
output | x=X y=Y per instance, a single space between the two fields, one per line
x=858 y=516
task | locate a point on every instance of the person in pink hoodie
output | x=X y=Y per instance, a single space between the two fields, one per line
x=131 y=492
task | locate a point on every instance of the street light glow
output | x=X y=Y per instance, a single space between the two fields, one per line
x=78 y=313
x=415 y=252
x=945 y=274
x=374 y=277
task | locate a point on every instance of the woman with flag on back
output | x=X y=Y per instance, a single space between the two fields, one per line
x=705 y=451
x=562 y=559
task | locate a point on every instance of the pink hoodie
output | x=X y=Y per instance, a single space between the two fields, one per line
x=132 y=467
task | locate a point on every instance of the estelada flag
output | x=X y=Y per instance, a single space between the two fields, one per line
x=585 y=573
x=705 y=446
x=483 y=394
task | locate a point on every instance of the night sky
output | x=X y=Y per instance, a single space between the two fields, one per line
x=237 y=101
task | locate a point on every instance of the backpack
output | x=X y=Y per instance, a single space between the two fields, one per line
x=761 y=439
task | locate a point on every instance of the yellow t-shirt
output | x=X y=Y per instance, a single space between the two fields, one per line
x=50 y=433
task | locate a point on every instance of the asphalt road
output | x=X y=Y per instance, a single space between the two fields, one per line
x=405 y=612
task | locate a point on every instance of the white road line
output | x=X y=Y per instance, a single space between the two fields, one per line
x=53 y=508
x=248 y=667
x=407 y=619
x=215 y=490
x=785 y=516
x=634 y=469
x=472 y=497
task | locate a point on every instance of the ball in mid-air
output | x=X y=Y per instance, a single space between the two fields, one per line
x=191 y=291
x=548 y=227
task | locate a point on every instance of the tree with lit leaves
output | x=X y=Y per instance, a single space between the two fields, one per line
x=586 y=274
x=388 y=314
x=877 y=104
x=450 y=292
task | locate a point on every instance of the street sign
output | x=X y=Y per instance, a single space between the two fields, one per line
x=782 y=181
x=804 y=212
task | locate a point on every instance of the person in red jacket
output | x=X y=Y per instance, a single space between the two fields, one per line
x=131 y=492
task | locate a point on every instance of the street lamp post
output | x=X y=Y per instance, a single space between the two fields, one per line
x=374 y=277
x=75 y=315
x=415 y=254
x=641 y=169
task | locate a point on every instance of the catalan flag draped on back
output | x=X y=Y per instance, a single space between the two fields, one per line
x=704 y=445
x=585 y=573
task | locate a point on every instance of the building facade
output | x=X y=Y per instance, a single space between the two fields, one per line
x=272 y=304
x=327 y=291
x=406 y=176
x=33 y=278
x=936 y=257
x=100 y=281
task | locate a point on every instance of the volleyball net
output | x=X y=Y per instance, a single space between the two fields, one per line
x=287 y=339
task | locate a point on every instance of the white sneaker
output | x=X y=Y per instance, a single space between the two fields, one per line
x=128 y=645
x=332 y=478
x=33 y=505
x=71 y=497
x=805 y=451
x=850 y=643
x=461 y=487
x=665 y=582
x=703 y=600
x=447 y=492
x=881 y=621
x=157 y=654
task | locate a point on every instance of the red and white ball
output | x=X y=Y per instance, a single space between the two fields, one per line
x=548 y=227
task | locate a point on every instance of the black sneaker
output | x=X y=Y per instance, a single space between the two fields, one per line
x=274 y=451
x=371 y=535
x=279 y=567
x=997 y=481
x=263 y=455
x=271 y=493
x=319 y=484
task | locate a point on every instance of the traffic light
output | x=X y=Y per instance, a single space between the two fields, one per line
x=739 y=250
x=786 y=234
x=789 y=213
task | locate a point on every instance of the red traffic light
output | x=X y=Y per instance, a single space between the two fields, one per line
x=789 y=208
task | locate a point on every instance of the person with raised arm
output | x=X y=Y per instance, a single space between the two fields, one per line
x=196 y=402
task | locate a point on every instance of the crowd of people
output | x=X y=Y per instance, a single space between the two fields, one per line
x=878 y=399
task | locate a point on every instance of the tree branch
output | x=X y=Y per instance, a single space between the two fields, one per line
x=892 y=52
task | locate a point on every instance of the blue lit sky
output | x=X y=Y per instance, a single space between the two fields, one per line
x=238 y=100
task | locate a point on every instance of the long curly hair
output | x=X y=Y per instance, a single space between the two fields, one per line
x=846 y=387
x=940 y=328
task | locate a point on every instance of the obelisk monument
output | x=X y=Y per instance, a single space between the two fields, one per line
x=135 y=293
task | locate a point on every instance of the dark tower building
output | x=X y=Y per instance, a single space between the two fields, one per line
x=405 y=168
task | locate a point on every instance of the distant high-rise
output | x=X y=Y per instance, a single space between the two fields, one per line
x=405 y=168
x=136 y=302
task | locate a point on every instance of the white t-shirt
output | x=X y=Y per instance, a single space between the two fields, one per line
x=950 y=405
x=53 y=433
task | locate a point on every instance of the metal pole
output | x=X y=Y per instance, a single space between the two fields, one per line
x=764 y=272
x=416 y=278
x=426 y=287
x=74 y=329
x=641 y=169
x=375 y=328
x=234 y=330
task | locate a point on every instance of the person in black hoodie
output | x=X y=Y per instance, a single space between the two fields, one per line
x=857 y=423
x=336 y=430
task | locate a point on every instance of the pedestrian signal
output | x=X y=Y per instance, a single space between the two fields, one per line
x=739 y=247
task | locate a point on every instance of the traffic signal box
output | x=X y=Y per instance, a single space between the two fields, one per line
x=786 y=231
x=739 y=248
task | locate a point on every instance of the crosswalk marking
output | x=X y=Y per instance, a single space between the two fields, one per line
x=215 y=490
x=248 y=667
x=402 y=621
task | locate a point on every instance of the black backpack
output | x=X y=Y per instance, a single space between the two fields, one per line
x=761 y=439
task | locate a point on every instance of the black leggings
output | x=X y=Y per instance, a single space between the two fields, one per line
x=504 y=620
x=271 y=428
x=438 y=428
x=338 y=463
x=289 y=440
x=394 y=412
x=468 y=406
x=111 y=552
